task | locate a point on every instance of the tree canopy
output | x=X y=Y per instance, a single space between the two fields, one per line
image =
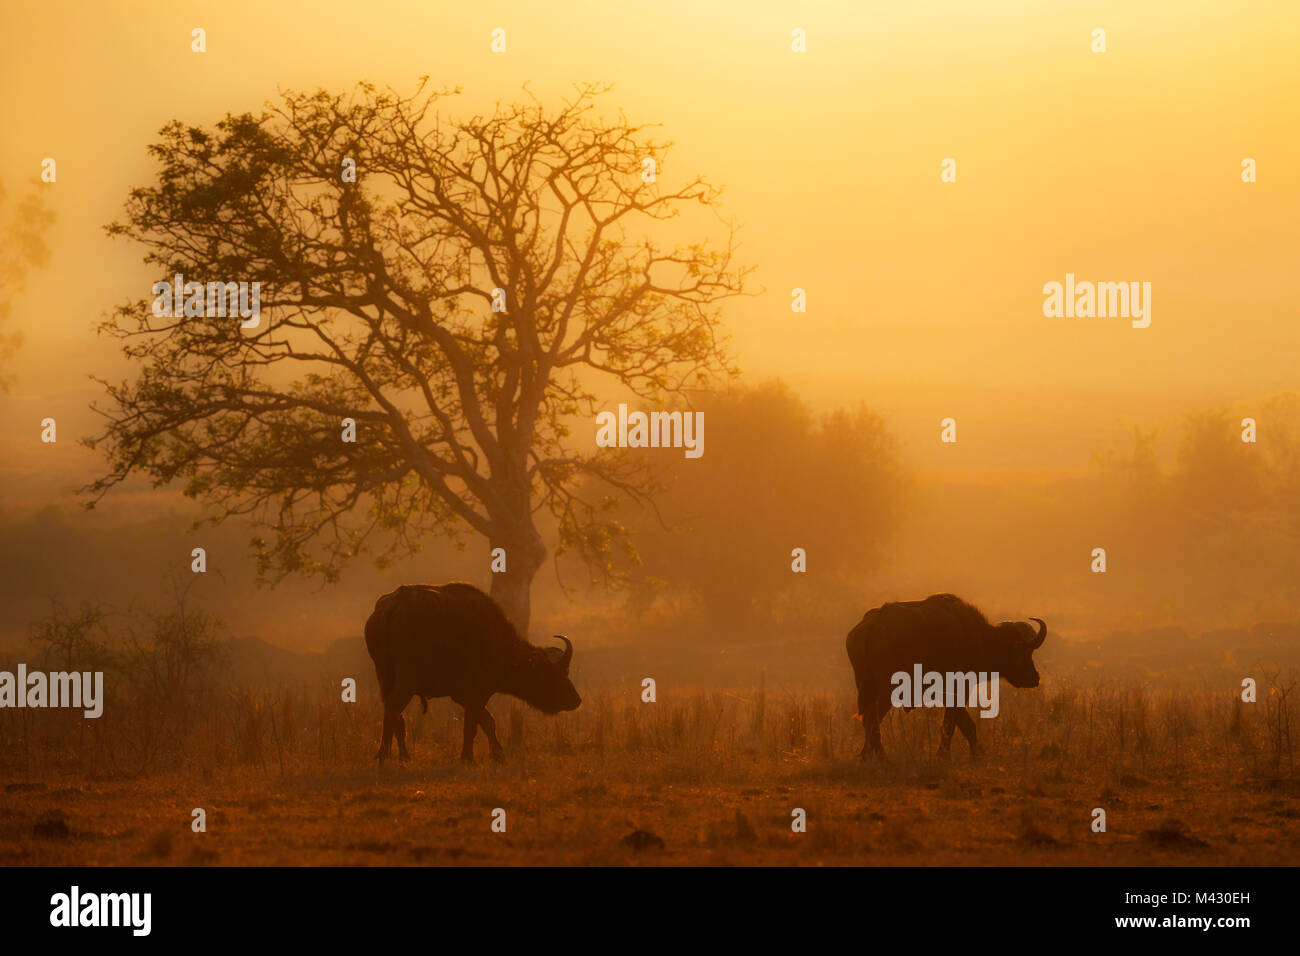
x=464 y=289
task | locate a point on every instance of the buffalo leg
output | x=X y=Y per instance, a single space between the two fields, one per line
x=867 y=710
x=872 y=715
x=489 y=725
x=394 y=726
x=400 y=726
x=472 y=718
x=945 y=734
x=385 y=739
x=967 y=726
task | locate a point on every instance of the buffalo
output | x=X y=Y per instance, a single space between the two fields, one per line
x=942 y=633
x=453 y=641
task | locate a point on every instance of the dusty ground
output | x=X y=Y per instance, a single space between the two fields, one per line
x=714 y=787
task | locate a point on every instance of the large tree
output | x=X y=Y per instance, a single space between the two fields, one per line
x=381 y=301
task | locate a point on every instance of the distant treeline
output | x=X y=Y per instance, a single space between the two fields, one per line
x=1201 y=530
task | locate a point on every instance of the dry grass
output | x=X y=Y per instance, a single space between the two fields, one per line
x=1184 y=777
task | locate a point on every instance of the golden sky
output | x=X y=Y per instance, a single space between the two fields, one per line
x=924 y=297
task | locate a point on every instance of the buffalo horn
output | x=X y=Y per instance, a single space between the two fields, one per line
x=568 y=650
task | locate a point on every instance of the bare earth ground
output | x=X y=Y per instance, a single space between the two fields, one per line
x=716 y=790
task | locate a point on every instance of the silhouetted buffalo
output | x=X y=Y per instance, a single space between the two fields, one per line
x=942 y=633
x=453 y=641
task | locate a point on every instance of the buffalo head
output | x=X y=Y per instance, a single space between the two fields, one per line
x=1020 y=640
x=547 y=685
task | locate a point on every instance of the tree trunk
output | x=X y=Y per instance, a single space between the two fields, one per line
x=511 y=588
